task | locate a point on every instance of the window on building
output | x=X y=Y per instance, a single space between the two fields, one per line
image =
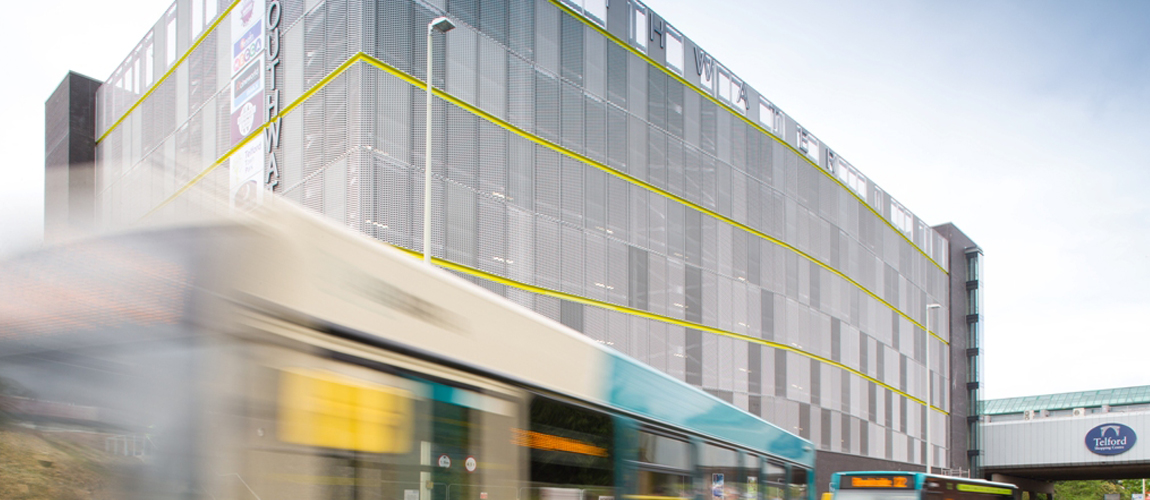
x=170 y=44
x=901 y=217
x=876 y=198
x=149 y=61
x=972 y=301
x=972 y=267
x=972 y=432
x=737 y=97
x=723 y=84
x=639 y=26
x=197 y=17
x=674 y=50
x=707 y=71
x=210 y=11
x=927 y=240
x=596 y=10
x=767 y=115
x=850 y=176
x=135 y=72
x=809 y=144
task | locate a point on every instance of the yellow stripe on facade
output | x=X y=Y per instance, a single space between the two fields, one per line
x=171 y=70
x=750 y=122
x=601 y=31
x=629 y=178
x=362 y=57
x=652 y=316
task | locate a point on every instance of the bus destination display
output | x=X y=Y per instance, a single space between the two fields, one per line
x=872 y=481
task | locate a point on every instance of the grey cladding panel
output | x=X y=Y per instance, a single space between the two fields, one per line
x=571 y=49
x=694 y=354
x=780 y=373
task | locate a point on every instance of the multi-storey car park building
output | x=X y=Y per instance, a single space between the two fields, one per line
x=591 y=163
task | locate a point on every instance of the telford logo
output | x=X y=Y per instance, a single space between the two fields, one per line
x=1110 y=439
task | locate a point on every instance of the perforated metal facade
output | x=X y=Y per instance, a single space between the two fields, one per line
x=593 y=164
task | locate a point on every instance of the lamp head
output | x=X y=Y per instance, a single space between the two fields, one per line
x=441 y=24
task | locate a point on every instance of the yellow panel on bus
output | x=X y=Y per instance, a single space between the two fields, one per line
x=321 y=408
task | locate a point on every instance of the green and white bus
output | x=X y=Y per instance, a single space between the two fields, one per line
x=879 y=485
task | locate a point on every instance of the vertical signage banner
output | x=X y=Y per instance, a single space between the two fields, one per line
x=247 y=87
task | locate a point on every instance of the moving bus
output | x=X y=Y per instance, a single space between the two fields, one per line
x=275 y=355
x=915 y=486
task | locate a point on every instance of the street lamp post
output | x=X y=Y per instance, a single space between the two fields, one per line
x=929 y=452
x=442 y=25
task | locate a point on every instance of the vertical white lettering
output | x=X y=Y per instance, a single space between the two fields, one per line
x=274 y=43
x=273 y=178
x=272 y=134
x=272 y=67
x=273 y=104
x=273 y=16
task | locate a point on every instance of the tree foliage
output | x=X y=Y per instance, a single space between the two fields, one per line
x=1096 y=490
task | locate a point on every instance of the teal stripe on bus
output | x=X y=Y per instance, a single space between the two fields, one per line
x=647 y=392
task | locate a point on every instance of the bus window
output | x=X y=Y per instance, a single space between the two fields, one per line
x=321 y=408
x=664 y=467
x=476 y=432
x=668 y=485
x=342 y=428
x=775 y=481
x=798 y=485
x=844 y=494
x=719 y=467
x=665 y=451
x=571 y=452
x=750 y=475
x=876 y=487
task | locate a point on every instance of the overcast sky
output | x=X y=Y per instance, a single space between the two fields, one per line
x=1020 y=122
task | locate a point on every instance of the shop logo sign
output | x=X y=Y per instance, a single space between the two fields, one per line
x=1110 y=439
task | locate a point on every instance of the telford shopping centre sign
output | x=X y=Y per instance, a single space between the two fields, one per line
x=1110 y=439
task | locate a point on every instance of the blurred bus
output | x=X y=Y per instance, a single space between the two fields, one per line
x=275 y=355
x=915 y=486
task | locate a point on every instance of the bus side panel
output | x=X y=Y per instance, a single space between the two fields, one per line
x=626 y=453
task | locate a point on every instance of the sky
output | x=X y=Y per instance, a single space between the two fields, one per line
x=1020 y=122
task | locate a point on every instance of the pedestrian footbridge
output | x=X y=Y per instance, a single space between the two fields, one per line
x=1034 y=440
